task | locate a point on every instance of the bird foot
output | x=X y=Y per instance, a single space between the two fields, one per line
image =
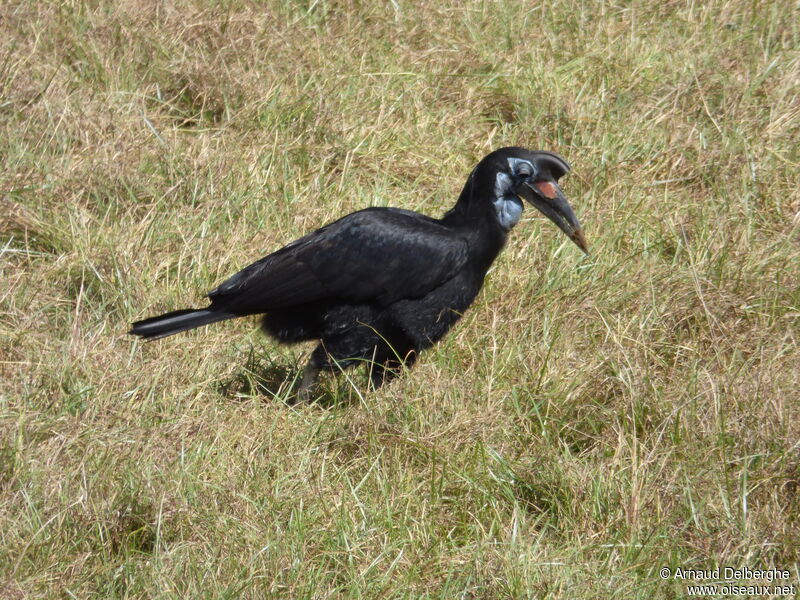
x=308 y=386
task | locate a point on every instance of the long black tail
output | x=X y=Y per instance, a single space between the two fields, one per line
x=177 y=321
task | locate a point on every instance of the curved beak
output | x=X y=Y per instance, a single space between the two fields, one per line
x=552 y=203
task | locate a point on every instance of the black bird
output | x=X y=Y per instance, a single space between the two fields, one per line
x=381 y=284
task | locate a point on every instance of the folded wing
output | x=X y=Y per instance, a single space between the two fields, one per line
x=378 y=254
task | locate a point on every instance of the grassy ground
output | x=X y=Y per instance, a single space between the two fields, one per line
x=591 y=420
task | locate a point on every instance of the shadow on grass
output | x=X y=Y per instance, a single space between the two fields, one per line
x=277 y=378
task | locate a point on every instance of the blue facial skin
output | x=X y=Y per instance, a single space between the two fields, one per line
x=507 y=205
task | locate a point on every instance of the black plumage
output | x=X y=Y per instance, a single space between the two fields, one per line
x=381 y=284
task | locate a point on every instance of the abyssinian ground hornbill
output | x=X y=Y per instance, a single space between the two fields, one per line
x=381 y=284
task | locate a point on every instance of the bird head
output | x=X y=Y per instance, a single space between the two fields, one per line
x=517 y=174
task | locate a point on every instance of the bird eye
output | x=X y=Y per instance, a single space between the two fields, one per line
x=524 y=171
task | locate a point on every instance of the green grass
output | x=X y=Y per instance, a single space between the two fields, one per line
x=591 y=419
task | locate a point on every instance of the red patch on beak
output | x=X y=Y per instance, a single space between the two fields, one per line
x=547 y=189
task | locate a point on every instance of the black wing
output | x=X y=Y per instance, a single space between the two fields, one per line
x=376 y=254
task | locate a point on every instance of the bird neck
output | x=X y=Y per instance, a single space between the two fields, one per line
x=468 y=211
x=473 y=216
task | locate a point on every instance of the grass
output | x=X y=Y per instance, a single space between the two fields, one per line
x=590 y=421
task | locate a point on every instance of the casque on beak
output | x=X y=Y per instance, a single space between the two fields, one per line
x=547 y=196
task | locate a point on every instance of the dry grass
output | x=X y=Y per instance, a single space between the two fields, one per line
x=590 y=421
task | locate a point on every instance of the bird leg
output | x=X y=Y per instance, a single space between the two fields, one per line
x=308 y=386
x=380 y=374
x=383 y=373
